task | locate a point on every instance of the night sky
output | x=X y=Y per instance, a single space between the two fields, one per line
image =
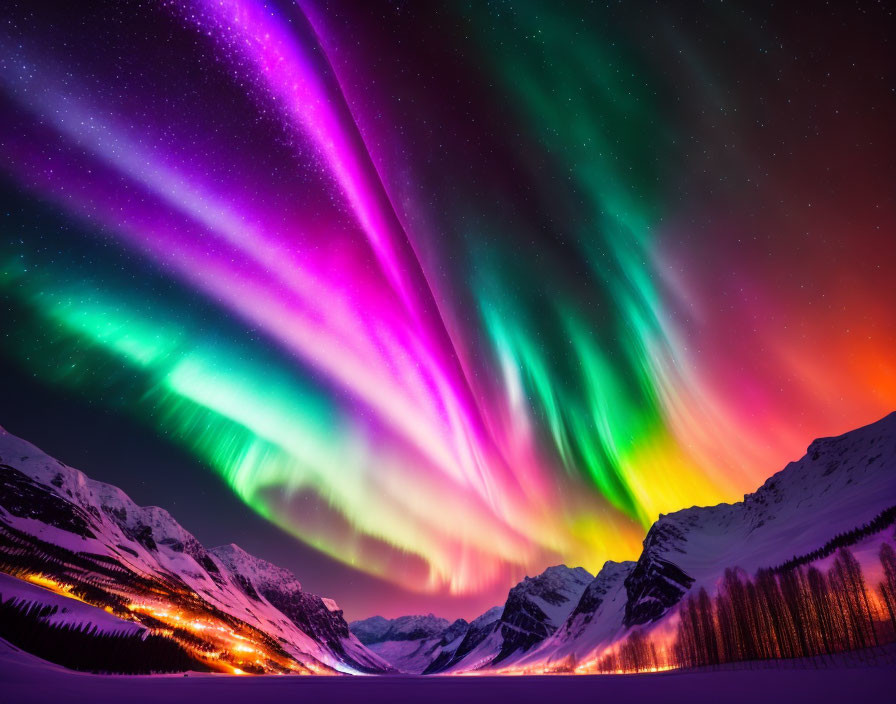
x=418 y=298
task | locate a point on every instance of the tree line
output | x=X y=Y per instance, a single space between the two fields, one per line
x=83 y=647
x=801 y=611
x=884 y=519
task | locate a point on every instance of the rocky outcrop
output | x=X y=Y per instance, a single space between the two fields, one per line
x=538 y=606
x=478 y=630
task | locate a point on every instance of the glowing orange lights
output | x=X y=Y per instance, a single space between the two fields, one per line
x=232 y=649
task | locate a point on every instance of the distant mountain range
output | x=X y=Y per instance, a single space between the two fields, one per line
x=137 y=574
x=535 y=608
x=841 y=484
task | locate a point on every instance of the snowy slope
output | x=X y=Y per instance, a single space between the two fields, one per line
x=840 y=484
x=561 y=615
x=67 y=611
x=28 y=680
x=594 y=622
x=535 y=609
x=94 y=534
x=478 y=631
x=409 y=643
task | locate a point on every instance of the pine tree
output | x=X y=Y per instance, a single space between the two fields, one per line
x=887 y=586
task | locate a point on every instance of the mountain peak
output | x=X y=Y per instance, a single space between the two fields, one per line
x=259 y=571
x=848 y=479
x=556 y=578
x=377 y=629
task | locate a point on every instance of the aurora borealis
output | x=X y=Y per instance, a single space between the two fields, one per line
x=453 y=292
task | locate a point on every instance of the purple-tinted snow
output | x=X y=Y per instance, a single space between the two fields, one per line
x=25 y=679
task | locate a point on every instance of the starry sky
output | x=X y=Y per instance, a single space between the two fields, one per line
x=416 y=299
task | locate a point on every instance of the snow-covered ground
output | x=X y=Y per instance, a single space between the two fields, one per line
x=25 y=679
x=69 y=612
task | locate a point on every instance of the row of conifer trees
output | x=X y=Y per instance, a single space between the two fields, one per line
x=801 y=611
x=84 y=647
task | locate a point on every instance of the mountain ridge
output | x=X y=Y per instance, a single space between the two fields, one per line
x=849 y=478
x=563 y=614
x=58 y=508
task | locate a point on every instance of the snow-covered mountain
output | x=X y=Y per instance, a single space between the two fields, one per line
x=409 y=643
x=535 y=608
x=55 y=522
x=87 y=537
x=378 y=629
x=841 y=484
x=478 y=630
x=563 y=617
x=596 y=619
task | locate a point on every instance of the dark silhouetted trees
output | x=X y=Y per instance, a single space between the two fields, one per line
x=884 y=519
x=797 y=612
x=83 y=647
x=801 y=611
x=887 y=586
